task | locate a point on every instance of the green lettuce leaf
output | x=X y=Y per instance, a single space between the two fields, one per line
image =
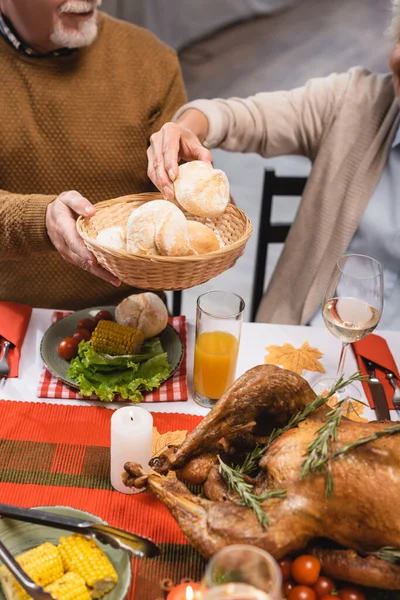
x=106 y=376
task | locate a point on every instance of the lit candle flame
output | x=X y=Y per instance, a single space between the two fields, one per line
x=189 y=593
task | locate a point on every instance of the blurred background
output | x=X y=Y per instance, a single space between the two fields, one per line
x=241 y=47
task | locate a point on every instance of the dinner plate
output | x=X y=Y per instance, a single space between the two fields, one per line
x=19 y=537
x=65 y=327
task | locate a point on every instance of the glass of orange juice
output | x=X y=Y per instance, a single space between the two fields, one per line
x=219 y=318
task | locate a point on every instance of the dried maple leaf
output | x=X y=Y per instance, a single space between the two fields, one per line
x=352 y=409
x=295 y=359
x=161 y=441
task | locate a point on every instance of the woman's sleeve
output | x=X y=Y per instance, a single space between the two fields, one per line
x=274 y=123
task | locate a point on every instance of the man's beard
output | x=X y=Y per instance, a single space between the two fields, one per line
x=66 y=37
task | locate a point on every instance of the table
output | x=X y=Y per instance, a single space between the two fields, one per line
x=255 y=338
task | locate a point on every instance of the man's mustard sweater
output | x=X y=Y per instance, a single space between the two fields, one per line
x=80 y=122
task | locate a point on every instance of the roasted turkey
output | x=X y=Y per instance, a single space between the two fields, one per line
x=344 y=529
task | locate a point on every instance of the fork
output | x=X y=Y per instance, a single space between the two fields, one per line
x=396 y=396
x=4 y=366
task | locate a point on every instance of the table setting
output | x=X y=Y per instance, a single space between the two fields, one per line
x=117 y=459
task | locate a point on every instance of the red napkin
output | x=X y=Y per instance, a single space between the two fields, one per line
x=376 y=349
x=14 y=321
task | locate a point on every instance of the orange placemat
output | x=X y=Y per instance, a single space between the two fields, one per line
x=175 y=389
x=60 y=455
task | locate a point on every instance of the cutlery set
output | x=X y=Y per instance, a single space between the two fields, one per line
x=136 y=545
x=377 y=390
x=4 y=366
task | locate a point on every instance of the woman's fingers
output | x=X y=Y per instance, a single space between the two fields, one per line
x=167 y=147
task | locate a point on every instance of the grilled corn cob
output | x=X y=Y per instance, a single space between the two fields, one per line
x=43 y=564
x=115 y=339
x=83 y=556
x=70 y=586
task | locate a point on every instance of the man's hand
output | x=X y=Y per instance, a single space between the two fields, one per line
x=61 y=218
x=175 y=142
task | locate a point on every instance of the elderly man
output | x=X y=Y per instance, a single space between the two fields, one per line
x=81 y=93
x=348 y=125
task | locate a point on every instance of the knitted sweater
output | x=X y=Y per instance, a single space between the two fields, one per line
x=345 y=124
x=79 y=122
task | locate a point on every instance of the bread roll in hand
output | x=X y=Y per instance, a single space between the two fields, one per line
x=202 y=190
x=158 y=227
x=112 y=237
x=202 y=239
x=145 y=312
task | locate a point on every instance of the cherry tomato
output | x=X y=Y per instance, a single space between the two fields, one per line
x=286 y=587
x=306 y=569
x=351 y=594
x=302 y=592
x=87 y=323
x=104 y=315
x=68 y=348
x=82 y=334
x=323 y=587
x=329 y=597
x=285 y=565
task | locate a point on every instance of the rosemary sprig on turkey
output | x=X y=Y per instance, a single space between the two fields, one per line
x=313 y=406
x=323 y=461
x=236 y=483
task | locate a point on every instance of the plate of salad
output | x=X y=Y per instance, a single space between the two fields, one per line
x=67 y=351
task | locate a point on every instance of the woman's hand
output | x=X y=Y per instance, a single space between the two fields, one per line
x=61 y=218
x=175 y=142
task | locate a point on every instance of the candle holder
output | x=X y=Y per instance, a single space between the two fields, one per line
x=131 y=441
x=242 y=572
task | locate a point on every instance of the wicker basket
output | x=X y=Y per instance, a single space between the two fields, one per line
x=233 y=228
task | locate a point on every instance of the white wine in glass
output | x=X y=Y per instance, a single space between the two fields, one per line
x=352 y=306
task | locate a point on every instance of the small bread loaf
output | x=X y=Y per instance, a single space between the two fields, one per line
x=202 y=190
x=145 y=312
x=158 y=227
x=113 y=237
x=202 y=239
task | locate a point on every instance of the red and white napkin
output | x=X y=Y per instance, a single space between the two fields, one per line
x=175 y=389
x=14 y=321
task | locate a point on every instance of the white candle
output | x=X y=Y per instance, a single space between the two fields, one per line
x=131 y=439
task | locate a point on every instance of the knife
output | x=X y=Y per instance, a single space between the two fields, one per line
x=136 y=545
x=377 y=392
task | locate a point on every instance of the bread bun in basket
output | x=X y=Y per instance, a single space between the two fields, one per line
x=202 y=239
x=159 y=228
x=202 y=190
x=146 y=312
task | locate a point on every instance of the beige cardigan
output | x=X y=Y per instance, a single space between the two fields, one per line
x=344 y=124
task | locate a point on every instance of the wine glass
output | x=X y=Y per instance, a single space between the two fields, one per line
x=242 y=572
x=352 y=307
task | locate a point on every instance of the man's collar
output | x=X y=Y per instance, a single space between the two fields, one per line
x=11 y=36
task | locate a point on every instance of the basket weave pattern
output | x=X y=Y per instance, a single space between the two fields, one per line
x=233 y=229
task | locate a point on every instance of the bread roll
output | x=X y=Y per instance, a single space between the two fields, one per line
x=113 y=237
x=146 y=312
x=202 y=190
x=158 y=227
x=202 y=239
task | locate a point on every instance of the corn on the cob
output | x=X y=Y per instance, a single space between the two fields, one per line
x=83 y=556
x=43 y=564
x=115 y=339
x=70 y=586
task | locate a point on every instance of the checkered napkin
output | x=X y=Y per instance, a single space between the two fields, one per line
x=173 y=390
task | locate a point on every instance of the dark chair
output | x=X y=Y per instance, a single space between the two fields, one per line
x=271 y=233
x=176 y=303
